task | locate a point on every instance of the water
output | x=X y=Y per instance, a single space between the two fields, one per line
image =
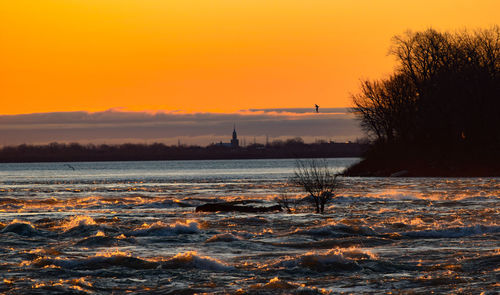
x=117 y=227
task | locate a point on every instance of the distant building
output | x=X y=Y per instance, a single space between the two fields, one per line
x=235 y=142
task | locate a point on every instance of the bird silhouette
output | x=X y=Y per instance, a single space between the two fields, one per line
x=317 y=108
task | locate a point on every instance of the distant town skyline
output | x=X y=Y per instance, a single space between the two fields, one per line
x=116 y=126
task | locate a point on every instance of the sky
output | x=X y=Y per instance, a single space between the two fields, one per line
x=203 y=57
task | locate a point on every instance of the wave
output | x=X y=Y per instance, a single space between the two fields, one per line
x=62 y=286
x=358 y=199
x=276 y=283
x=328 y=243
x=91 y=202
x=82 y=225
x=385 y=196
x=101 y=240
x=222 y=238
x=480 y=198
x=100 y=261
x=399 y=196
x=165 y=203
x=22 y=228
x=484 y=263
x=336 y=230
x=191 y=259
x=161 y=229
x=332 y=260
x=187 y=260
x=279 y=286
x=250 y=220
x=78 y=220
x=453 y=232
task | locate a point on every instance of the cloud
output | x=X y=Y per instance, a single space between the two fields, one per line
x=304 y=110
x=117 y=126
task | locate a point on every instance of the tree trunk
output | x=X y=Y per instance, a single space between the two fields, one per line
x=316 y=203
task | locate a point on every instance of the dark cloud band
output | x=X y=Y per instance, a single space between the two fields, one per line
x=115 y=126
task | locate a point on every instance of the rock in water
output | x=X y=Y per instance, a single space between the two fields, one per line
x=227 y=207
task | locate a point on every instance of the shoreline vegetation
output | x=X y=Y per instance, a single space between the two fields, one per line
x=408 y=162
x=74 y=152
x=438 y=113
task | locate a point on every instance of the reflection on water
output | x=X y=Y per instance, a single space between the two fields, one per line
x=106 y=228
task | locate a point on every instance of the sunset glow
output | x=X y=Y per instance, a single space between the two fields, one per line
x=249 y=146
x=205 y=56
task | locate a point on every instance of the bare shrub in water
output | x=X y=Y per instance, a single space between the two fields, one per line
x=317 y=180
x=287 y=202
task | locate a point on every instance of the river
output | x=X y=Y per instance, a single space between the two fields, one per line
x=118 y=227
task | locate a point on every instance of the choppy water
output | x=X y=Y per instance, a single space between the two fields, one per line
x=112 y=228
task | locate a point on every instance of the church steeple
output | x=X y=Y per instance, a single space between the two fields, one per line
x=235 y=142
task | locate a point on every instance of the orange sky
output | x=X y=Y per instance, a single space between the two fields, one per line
x=206 y=55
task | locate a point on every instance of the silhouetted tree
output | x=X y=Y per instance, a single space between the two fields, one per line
x=317 y=180
x=445 y=91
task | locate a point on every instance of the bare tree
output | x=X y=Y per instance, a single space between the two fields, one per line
x=444 y=92
x=317 y=180
x=285 y=201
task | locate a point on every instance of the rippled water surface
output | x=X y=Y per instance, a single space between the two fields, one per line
x=118 y=227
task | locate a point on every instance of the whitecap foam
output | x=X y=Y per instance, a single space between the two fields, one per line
x=82 y=225
x=78 y=220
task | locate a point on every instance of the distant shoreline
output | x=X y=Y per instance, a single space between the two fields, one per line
x=158 y=152
x=182 y=159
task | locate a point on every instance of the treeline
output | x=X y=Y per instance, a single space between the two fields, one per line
x=74 y=152
x=440 y=107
